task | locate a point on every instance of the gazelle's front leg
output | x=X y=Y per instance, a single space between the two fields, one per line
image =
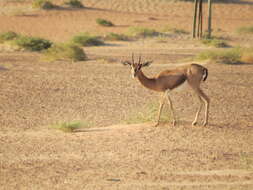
x=160 y=109
x=171 y=108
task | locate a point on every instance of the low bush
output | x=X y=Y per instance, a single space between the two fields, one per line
x=32 y=43
x=215 y=42
x=172 y=30
x=85 y=39
x=245 y=30
x=104 y=22
x=64 y=52
x=136 y=31
x=7 y=36
x=115 y=37
x=74 y=3
x=228 y=56
x=43 y=4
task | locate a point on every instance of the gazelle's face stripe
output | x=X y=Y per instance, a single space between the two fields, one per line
x=135 y=68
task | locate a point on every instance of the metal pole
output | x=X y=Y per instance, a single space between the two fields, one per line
x=195 y=18
x=199 y=19
x=209 y=18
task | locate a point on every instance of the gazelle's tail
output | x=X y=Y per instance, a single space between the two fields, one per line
x=205 y=73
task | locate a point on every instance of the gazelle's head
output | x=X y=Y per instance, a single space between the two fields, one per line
x=136 y=67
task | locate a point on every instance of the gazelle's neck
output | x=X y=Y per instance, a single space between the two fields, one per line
x=149 y=83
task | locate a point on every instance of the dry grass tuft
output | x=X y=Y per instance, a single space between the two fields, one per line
x=148 y=114
x=43 y=4
x=215 y=42
x=74 y=3
x=245 y=30
x=141 y=32
x=116 y=37
x=247 y=56
x=7 y=36
x=70 y=127
x=172 y=30
x=104 y=22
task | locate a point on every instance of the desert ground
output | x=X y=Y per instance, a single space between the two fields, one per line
x=111 y=154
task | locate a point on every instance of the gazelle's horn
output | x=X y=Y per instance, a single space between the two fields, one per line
x=140 y=59
x=132 y=58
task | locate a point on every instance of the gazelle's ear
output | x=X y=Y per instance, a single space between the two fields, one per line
x=146 y=64
x=126 y=63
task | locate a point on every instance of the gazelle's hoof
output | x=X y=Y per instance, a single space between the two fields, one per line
x=205 y=124
x=194 y=123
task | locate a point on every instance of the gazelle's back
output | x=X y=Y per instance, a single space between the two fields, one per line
x=170 y=79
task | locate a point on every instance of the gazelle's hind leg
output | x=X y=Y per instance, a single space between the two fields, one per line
x=194 y=81
x=206 y=101
x=171 y=108
x=199 y=109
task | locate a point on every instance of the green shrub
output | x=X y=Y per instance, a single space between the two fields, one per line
x=228 y=56
x=70 y=126
x=214 y=42
x=64 y=52
x=43 y=4
x=74 y=3
x=245 y=30
x=137 y=31
x=116 y=37
x=104 y=22
x=32 y=43
x=6 y=36
x=85 y=39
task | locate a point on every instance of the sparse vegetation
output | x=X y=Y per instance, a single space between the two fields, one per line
x=7 y=36
x=74 y=3
x=116 y=37
x=136 y=31
x=215 y=42
x=245 y=30
x=64 y=52
x=148 y=114
x=228 y=56
x=43 y=4
x=86 y=39
x=104 y=22
x=70 y=127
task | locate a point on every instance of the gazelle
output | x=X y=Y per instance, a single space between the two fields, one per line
x=167 y=80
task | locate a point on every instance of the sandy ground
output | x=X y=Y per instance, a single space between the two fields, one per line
x=112 y=155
